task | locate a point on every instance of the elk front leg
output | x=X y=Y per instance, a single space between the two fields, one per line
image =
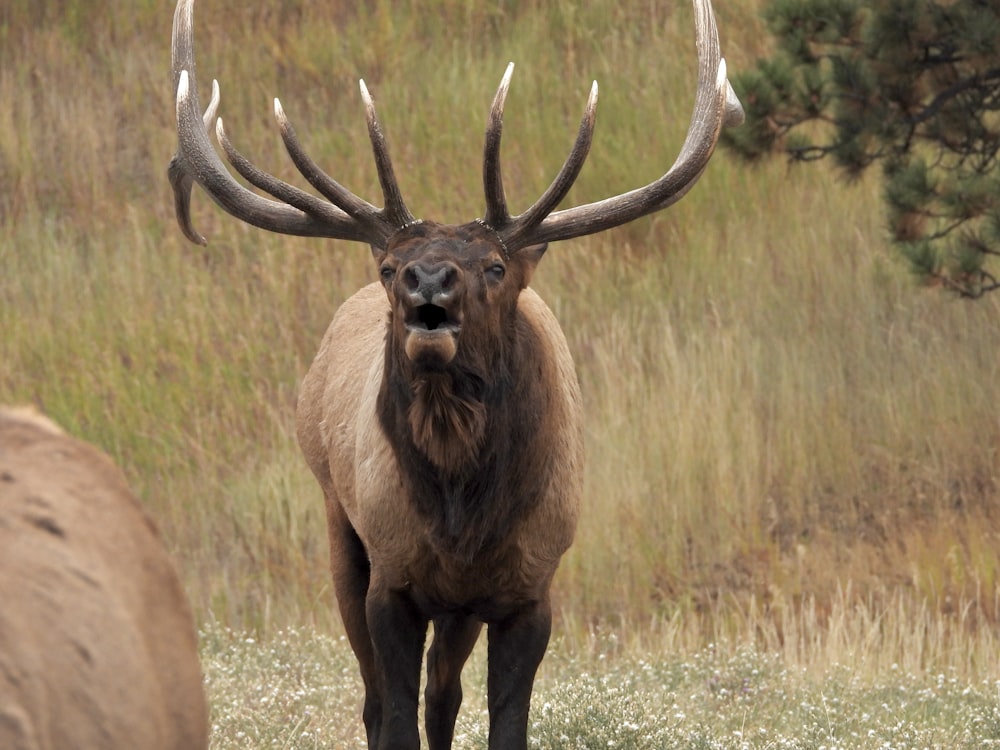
x=351 y=572
x=397 y=631
x=516 y=648
x=454 y=637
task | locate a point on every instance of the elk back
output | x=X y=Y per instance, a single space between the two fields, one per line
x=98 y=649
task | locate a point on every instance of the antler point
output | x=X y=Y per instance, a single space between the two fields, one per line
x=183 y=86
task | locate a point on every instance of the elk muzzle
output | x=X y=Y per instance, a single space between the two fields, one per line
x=431 y=294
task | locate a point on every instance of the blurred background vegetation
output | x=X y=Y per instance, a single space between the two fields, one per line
x=782 y=426
x=908 y=85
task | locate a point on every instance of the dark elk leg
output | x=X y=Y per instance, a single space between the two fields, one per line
x=397 y=631
x=454 y=638
x=516 y=648
x=350 y=568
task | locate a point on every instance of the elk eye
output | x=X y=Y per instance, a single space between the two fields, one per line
x=496 y=272
x=387 y=273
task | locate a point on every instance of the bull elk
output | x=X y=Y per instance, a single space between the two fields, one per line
x=442 y=414
x=98 y=649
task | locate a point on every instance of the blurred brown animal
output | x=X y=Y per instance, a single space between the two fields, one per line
x=98 y=649
x=442 y=414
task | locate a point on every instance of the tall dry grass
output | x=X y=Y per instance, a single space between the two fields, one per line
x=776 y=414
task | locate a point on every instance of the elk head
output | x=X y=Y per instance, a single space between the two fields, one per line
x=448 y=284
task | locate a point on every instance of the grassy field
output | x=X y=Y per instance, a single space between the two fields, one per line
x=299 y=690
x=791 y=447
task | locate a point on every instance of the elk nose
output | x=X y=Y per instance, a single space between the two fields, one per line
x=431 y=283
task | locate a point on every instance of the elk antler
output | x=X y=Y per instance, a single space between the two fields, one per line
x=345 y=216
x=716 y=106
x=296 y=212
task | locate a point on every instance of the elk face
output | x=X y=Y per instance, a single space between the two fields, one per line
x=452 y=290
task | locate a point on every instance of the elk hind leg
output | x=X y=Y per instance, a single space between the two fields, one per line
x=455 y=636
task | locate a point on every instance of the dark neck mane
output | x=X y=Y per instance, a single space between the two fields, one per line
x=468 y=446
x=447 y=421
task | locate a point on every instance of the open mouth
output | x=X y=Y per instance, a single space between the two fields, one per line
x=431 y=318
x=431 y=336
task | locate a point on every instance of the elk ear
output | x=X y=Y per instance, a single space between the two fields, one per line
x=528 y=257
x=534 y=252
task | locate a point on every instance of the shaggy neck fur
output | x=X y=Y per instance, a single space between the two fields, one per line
x=468 y=443
x=446 y=426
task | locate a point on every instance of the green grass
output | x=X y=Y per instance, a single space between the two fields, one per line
x=780 y=424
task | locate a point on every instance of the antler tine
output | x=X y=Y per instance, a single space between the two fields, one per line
x=181 y=181
x=395 y=209
x=196 y=160
x=212 y=110
x=716 y=106
x=735 y=116
x=497 y=214
x=359 y=209
x=522 y=225
x=281 y=190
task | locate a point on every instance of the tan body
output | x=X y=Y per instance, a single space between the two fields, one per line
x=98 y=649
x=354 y=462
x=443 y=507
